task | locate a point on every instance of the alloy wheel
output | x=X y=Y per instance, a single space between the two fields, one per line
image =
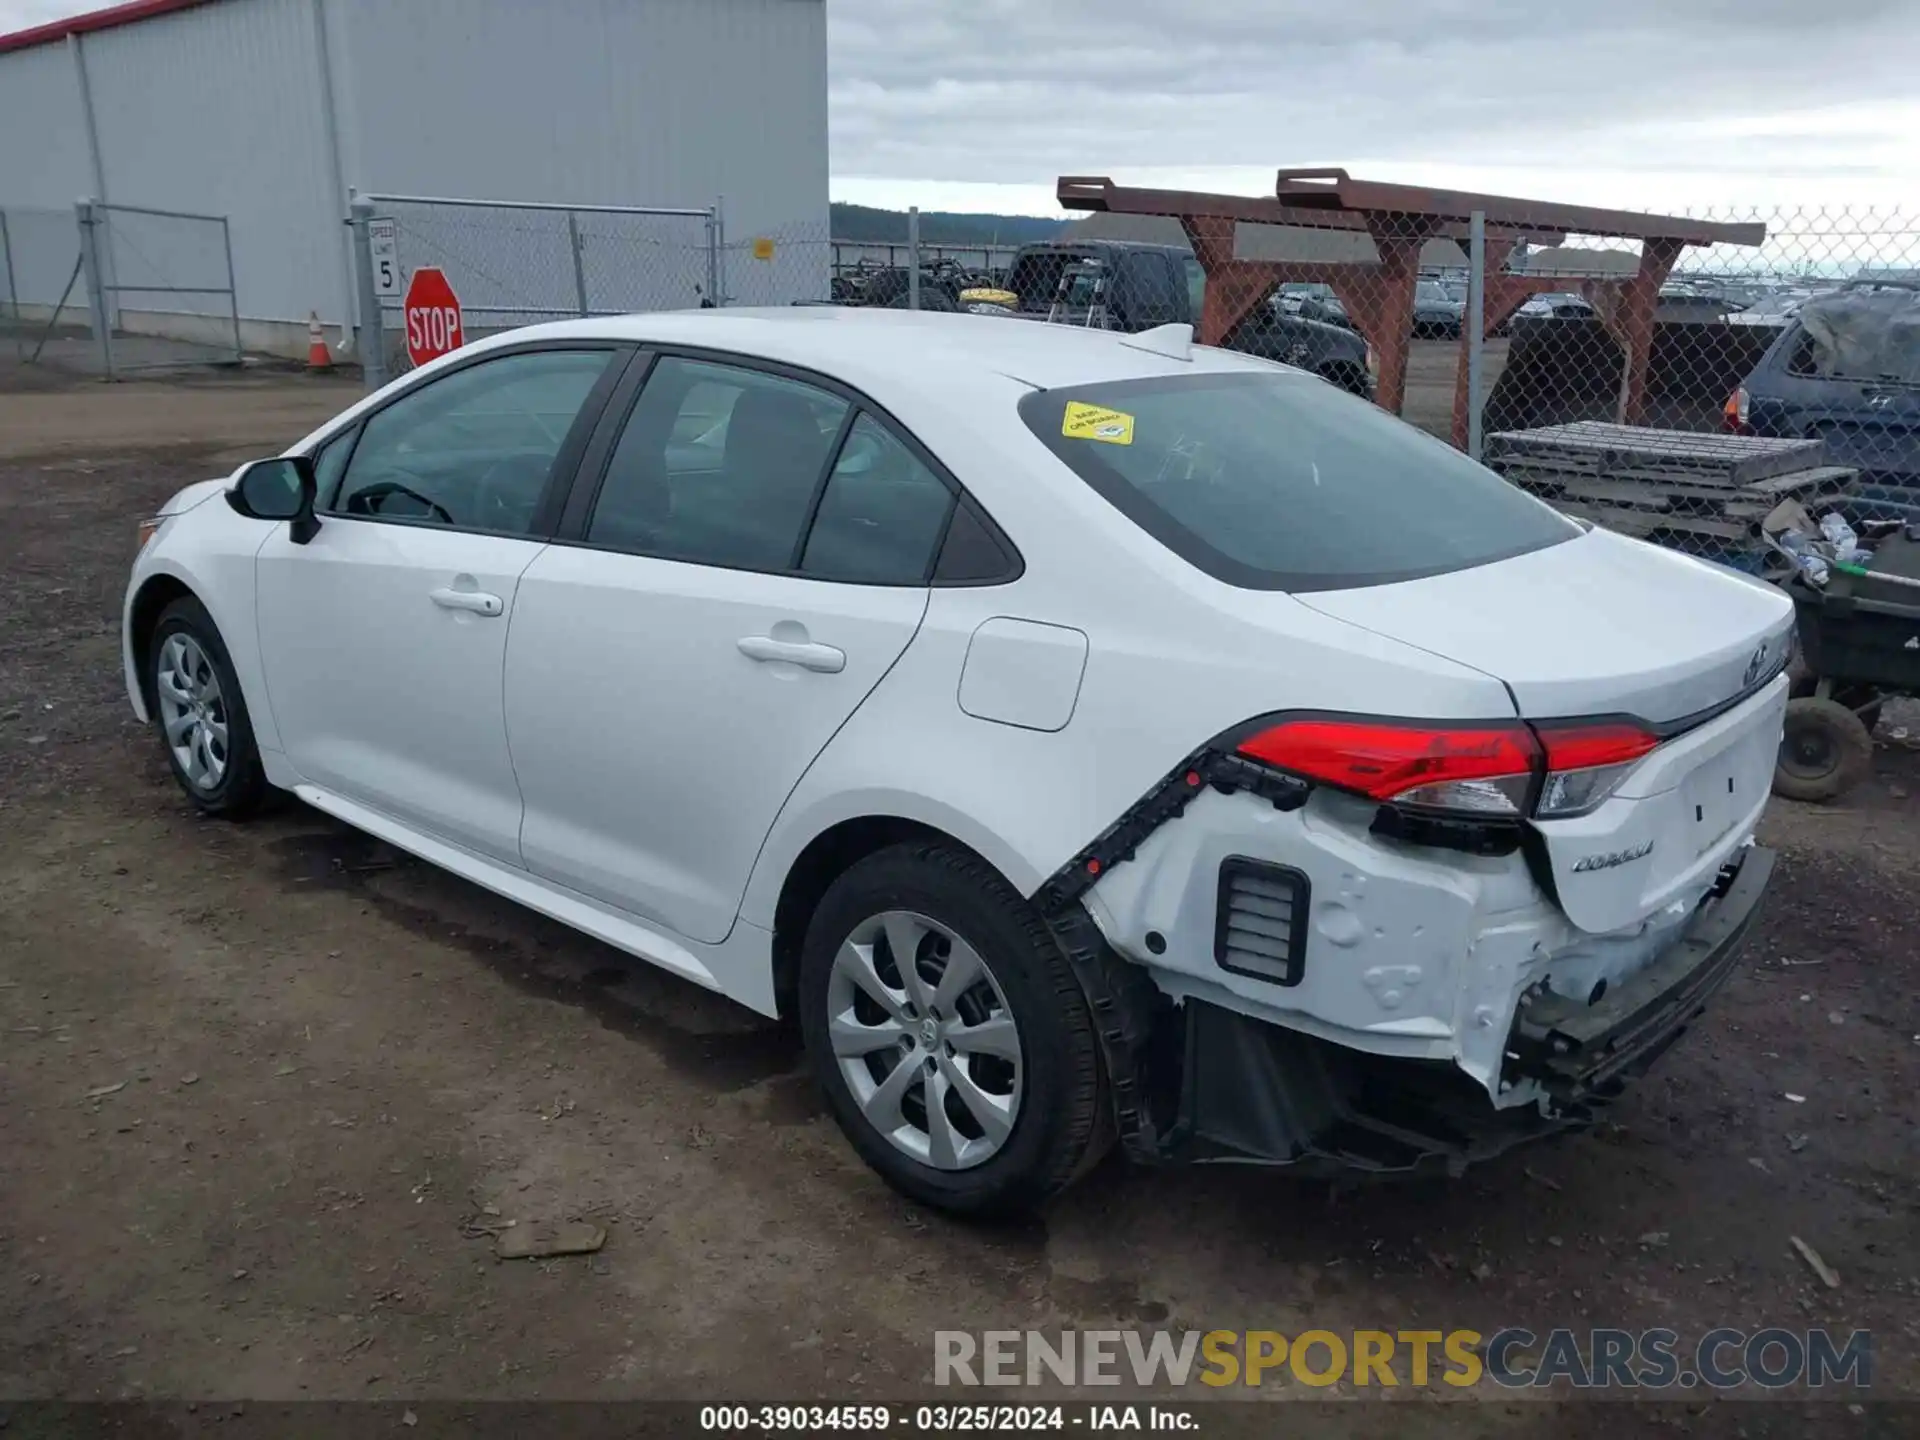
x=925 y=1039
x=193 y=711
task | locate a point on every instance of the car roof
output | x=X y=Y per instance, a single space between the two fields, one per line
x=885 y=351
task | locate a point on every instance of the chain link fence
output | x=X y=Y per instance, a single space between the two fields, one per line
x=43 y=295
x=114 y=290
x=1676 y=381
x=1679 y=387
x=162 y=288
x=870 y=272
x=513 y=264
x=786 y=264
x=1787 y=370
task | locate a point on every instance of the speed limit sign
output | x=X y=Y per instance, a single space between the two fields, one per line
x=384 y=243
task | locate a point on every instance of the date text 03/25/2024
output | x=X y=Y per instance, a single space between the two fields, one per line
x=944 y=1419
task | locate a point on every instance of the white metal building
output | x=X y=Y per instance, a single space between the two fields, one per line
x=270 y=111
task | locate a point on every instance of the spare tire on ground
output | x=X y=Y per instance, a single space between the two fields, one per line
x=1825 y=750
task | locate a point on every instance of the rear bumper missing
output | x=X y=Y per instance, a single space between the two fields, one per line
x=1258 y=1094
x=1575 y=1050
x=1246 y=1091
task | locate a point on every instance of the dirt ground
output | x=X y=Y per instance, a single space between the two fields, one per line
x=264 y=1089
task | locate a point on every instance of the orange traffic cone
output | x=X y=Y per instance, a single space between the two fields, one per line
x=318 y=356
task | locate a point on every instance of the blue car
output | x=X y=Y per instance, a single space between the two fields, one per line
x=1847 y=371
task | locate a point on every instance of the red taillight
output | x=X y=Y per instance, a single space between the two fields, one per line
x=1582 y=747
x=1483 y=768
x=1585 y=762
x=1737 y=412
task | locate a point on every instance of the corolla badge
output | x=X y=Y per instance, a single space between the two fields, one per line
x=1608 y=859
x=1756 y=665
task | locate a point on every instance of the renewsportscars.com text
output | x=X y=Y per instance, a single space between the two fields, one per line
x=1772 y=1358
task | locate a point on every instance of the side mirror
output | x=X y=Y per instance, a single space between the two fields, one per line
x=279 y=489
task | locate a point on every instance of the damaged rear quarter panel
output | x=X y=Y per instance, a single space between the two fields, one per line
x=1409 y=952
x=1174 y=658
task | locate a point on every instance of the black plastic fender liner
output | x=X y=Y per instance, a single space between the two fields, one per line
x=1135 y=1023
x=1166 y=801
x=1258 y=1093
x=1145 y=1042
x=1217 y=765
x=1195 y=1082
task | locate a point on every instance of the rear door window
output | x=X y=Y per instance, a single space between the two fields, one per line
x=1273 y=481
x=881 y=515
x=718 y=465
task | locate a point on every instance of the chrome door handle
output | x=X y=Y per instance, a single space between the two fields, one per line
x=824 y=658
x=478 y=601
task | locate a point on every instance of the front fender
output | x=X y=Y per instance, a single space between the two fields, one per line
x=209 y=552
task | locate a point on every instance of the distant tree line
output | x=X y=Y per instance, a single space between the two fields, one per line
x=864 y=222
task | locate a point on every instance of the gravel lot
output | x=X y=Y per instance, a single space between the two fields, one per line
x=333 y=1066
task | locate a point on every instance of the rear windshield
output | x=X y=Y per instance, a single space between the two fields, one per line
x=1283 y=482
x=1863 y=333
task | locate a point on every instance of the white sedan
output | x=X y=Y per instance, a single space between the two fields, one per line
x=1085 y=737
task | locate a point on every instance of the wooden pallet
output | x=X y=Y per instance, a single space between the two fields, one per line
x=1640 y=524
x=1803 y=485
x=1712 y=488
x=1598 y=448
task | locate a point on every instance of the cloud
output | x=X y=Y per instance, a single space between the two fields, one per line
x=1644 y=103
x=23 y=14
x=1739 y=99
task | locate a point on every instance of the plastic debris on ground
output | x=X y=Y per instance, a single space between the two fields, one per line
x=1817 y=548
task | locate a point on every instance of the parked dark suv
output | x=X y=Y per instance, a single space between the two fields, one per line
x=1132 y=286
x=1847 y=371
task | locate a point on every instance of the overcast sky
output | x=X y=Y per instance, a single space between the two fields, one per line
x=1653 y=103
x=979 y=104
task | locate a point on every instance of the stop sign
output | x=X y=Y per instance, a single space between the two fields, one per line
x=432 y=315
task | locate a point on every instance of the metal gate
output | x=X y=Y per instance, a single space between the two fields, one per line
x=517 y=263
x=115 y=289
x=159 y=274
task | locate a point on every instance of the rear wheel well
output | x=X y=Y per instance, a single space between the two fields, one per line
x=154 y=597
x=827 y=857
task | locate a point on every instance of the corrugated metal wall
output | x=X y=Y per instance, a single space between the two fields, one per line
x=43 y=168
x=611 y=102
x=43 y=160
x=218 y=109
x=221 y=108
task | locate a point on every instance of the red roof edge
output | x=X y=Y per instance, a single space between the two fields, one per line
x=108 y=19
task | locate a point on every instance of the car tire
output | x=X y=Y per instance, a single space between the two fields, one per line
x=1864 y=700
x=201 y=716
x=1825 y=751
x=1013 y=1047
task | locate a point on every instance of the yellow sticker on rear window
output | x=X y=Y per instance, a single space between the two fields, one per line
x=1097 y=422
